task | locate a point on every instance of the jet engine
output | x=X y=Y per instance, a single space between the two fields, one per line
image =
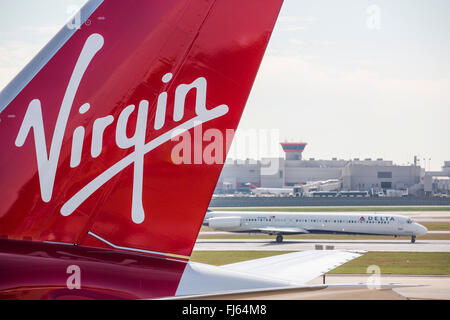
x=224 y=222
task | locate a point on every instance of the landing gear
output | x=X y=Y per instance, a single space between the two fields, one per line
x=279 y=238
x=413 y=239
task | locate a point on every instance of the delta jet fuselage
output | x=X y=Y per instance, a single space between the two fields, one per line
x=277 y=223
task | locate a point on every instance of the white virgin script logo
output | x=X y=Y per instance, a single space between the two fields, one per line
x=47 y=163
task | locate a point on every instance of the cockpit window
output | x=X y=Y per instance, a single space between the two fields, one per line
x=409 y=221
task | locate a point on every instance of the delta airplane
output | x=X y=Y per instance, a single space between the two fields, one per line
x=279 y=224
x=95 y=202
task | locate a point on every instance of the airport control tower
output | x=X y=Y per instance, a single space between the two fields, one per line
x=293 y=150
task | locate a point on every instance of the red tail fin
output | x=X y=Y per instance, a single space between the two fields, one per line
x=87 y=149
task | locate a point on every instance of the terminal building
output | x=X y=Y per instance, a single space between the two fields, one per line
x=437 y=182
x=293 y=170
x=379 y=177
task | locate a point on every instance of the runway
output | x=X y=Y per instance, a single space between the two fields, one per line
x=368 y=245
x=298 y=245
x=405 y=287
x=419 y=216
x=226 y=233
x=427 y=216
x=428 y=287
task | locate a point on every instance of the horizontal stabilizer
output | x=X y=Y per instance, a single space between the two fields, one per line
x=297 y=267
x=284 y=271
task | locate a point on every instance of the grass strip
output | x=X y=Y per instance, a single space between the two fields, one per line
x=417 y=263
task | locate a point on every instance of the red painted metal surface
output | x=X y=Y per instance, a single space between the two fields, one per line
x=36 y=270
x=222 y=41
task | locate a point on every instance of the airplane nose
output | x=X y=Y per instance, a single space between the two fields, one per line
x=420 y=229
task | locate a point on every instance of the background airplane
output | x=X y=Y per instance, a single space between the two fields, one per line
x=279 y=223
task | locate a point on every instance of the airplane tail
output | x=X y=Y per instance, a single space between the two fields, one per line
x=116 y=133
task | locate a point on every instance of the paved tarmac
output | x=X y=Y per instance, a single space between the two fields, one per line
x=421 y=287
x=419 y=216
x=297 y=245
x=430 y=287
x=225 y=233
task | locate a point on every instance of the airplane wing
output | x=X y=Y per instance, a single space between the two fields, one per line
x=297 y=267
x=282 y=230
x=287 y=271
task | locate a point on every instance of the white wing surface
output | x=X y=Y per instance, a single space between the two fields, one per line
x=284 y=271
x=297 y=267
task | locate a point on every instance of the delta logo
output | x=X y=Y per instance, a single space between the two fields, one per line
x=377 y=218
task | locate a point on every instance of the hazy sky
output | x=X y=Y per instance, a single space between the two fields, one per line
x=353 y=78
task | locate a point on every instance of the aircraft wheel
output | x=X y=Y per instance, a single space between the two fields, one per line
x=413 y=239
x=279 y=238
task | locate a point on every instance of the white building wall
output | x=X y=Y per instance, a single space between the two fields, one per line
x=240 y=172
x=362 y=177
x=303 y=175
x=273 y=173
x=355 y=174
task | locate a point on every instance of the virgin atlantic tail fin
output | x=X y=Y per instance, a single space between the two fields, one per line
x=116 y=133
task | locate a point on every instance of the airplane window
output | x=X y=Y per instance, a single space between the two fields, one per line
x=409 y=221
